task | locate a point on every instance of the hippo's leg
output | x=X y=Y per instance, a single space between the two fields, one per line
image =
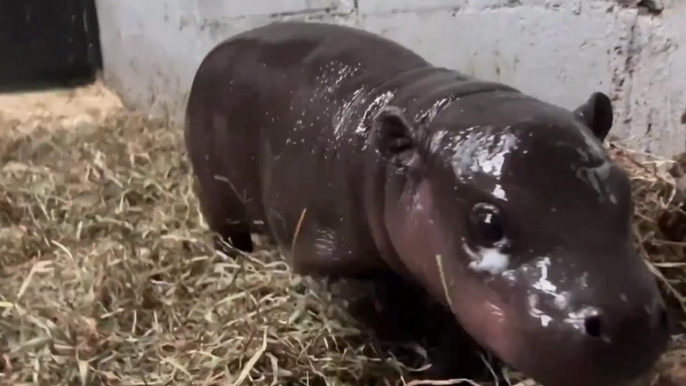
x=393 y=310
x=397 y=312
x=319 y=250
x=452 y=352
x=225 y=214
x=318 y=243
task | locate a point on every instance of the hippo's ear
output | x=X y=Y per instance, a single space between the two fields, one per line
x=395 y=137
x=596 y=113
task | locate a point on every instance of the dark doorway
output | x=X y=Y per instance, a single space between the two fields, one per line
x=48 y=43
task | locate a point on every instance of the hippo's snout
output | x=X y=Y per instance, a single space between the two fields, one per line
x=596 y=324
x=593 y=323
x=606 y=348
x=596 y=330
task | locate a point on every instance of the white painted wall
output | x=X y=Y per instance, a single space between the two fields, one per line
x=557 y=50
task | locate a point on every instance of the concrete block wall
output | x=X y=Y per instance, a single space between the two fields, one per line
x=557 y=50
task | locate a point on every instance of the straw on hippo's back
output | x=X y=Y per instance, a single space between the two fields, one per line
x=359 y=158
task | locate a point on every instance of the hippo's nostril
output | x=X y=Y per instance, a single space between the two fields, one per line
x=664 y=318
x=593 y=326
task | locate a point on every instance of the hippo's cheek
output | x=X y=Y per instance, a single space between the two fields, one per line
x=479 y=309
x=490 y=323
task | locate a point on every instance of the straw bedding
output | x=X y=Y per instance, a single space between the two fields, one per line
x=107 y=276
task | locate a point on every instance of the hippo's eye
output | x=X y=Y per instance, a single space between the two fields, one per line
x=487 y=224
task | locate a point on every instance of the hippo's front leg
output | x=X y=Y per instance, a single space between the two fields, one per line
x=397 y=312
x=323 y=251
x=316 y=240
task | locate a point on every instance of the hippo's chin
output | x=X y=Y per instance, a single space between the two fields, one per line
x=557 y=356
x=555 y=351
x=550 y=367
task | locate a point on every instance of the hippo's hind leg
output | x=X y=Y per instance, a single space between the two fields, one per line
x=225 y=214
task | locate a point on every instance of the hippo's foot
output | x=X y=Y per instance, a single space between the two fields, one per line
x=228 y=241
x=398 y=313
x=453 y=354
x=225 y=214
x=229 y=236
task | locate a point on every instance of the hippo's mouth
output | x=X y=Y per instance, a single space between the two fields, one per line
x=551 y=338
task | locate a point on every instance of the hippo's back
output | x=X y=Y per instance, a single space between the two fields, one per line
x=302 y=47
x=266 y=114
x=278 y=76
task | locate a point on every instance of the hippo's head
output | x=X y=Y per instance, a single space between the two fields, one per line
x=510 y=211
